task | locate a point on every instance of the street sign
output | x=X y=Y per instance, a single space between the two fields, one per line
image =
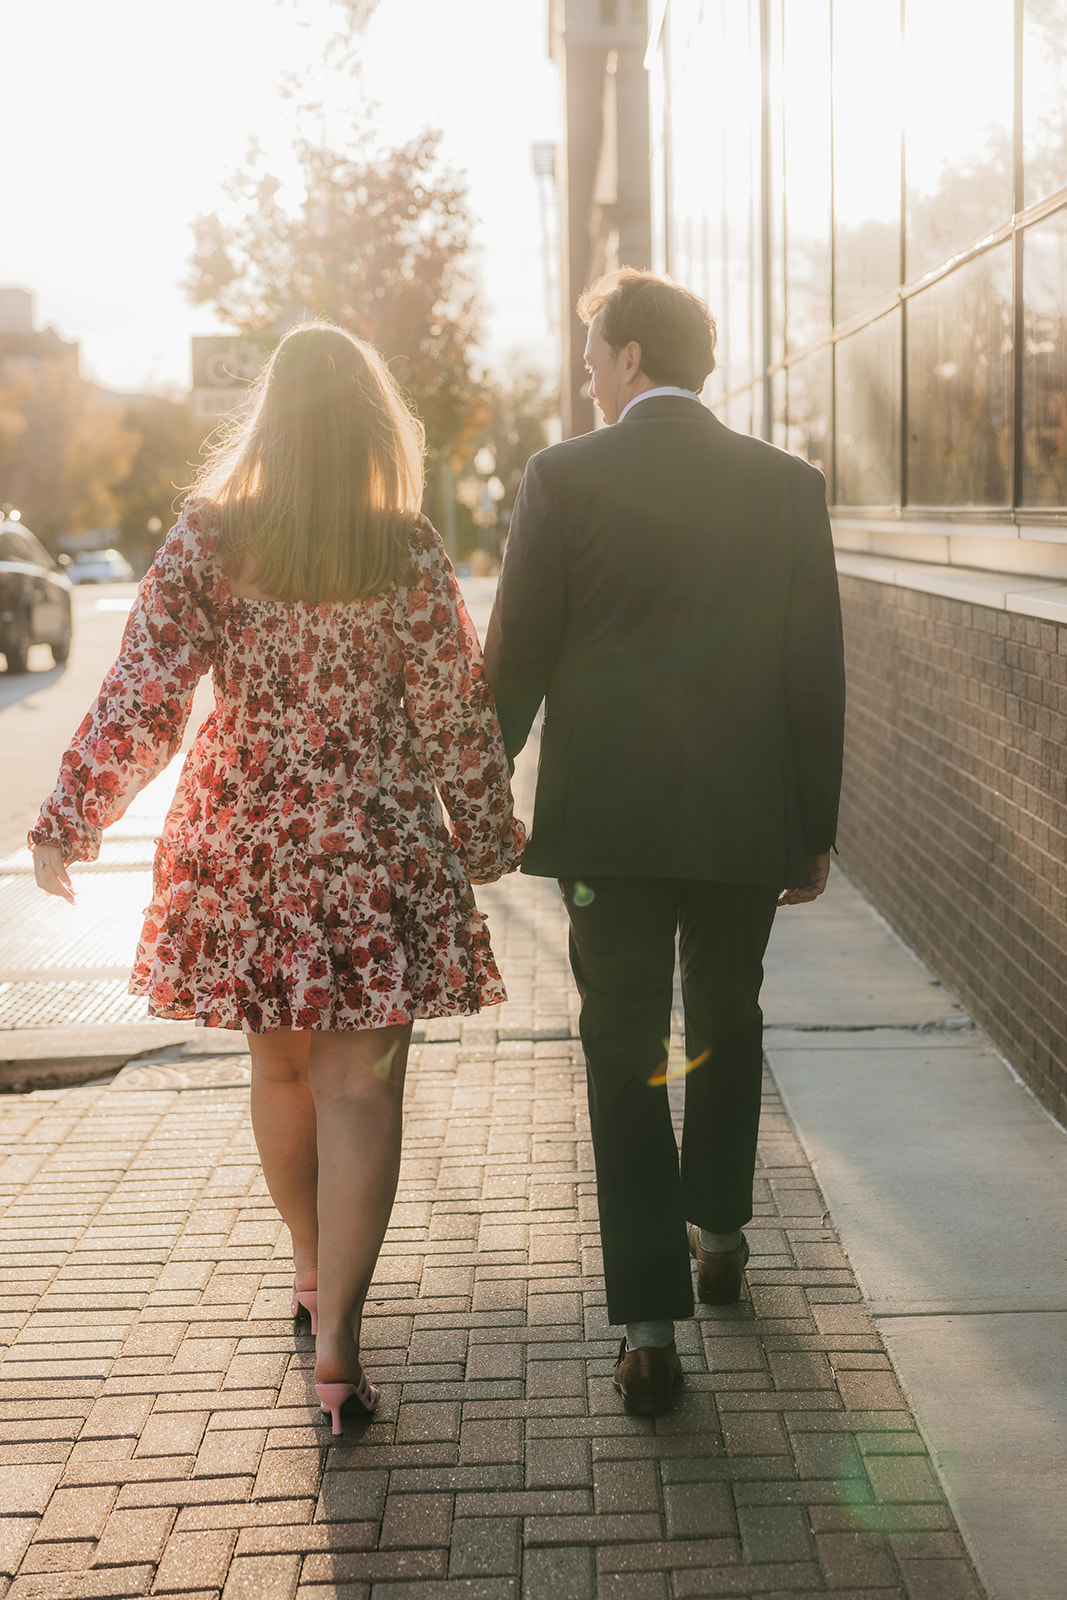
x=224 y=364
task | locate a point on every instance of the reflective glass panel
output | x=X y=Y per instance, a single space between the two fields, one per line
x=867 y=133
x=1045 y=363
x=958 y=125
x=714 y=391
x=960 y=387
x=657 y=169
x=1044 y=98
x=776 y=126
x=867 y=449
x=779 y=415
x=807 y=162
x=737 y=74
x=810 y=405
x=741 y=411
x=696 y=156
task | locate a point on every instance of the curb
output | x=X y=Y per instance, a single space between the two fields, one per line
x=57 y=1072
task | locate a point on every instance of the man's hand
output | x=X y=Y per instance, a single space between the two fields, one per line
x=50 y=872
x=819 y=867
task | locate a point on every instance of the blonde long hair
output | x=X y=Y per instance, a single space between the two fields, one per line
x=318 y=485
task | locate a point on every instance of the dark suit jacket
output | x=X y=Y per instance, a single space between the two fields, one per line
x=669 y=590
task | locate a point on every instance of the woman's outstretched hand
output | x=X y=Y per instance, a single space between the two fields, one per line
x=50 y=872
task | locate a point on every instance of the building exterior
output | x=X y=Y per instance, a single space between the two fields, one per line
x=21 y=344
x=872 y=197
x=598 y=46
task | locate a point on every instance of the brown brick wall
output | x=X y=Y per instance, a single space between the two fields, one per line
x=954 y=811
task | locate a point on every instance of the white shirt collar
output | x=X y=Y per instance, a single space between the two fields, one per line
x=653 y=394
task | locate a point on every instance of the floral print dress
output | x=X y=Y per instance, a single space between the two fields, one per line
x=305 y=876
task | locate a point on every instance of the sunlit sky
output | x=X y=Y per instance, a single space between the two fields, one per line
x=123 y=118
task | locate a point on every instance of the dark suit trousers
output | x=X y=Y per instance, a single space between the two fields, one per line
x=622 y=948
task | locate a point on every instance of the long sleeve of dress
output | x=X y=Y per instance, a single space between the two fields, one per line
x=138 y=719
x=449 y=704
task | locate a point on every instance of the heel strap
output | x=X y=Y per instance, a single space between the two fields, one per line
x=332 y=1396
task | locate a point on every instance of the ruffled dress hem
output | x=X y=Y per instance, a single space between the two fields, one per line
x=420 y=1012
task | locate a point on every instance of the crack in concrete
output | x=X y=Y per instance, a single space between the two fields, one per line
x=941 y=1025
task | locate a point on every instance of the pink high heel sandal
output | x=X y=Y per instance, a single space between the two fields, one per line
x=332 y=1396
x=309 y=1299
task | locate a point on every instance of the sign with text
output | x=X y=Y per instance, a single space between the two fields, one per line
x=224 y=364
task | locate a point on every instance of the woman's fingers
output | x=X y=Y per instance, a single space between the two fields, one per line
x=50 y=872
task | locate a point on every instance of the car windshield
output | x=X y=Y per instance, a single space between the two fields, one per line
x=36 y=550
x=20 y=545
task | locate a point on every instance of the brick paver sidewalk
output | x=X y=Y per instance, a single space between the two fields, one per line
x=158 y=1427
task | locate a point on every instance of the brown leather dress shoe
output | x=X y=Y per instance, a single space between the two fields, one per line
x=647 y=1379
x=718 y=1274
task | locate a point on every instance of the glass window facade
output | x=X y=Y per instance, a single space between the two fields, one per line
x=867 y=370
x=959 y=386
x=876 y=211
x=866 y=102
x=958 y=151
x=1044 y=98
x=810 y=408
x=806 y=172
x=1044 y=364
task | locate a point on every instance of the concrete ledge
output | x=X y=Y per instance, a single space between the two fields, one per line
x=1000 y=591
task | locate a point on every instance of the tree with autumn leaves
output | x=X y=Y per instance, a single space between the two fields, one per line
x=380 y=243
x=64 y=449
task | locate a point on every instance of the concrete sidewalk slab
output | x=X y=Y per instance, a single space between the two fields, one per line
x=946 y=1178
x=992 y=1395
x=835 y=964
x=947 y=1183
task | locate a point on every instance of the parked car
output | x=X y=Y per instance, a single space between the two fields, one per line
x=35 y=598
x=99 y=566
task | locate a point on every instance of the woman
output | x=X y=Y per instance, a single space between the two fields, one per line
x=306 y=888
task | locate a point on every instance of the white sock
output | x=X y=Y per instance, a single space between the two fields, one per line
x=649 y=1335
x=719 y=1243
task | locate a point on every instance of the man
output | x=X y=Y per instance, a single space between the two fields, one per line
x=669 y=591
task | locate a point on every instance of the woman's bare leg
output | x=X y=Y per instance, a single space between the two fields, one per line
x=283 y=1121
x=357 y=1080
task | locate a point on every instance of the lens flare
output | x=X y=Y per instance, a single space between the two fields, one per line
x=583 y=895
x=384 y=1067
x=670 y=1072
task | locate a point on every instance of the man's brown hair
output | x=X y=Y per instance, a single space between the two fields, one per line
x=675 y=330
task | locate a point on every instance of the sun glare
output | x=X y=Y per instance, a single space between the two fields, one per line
x=131 y=128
